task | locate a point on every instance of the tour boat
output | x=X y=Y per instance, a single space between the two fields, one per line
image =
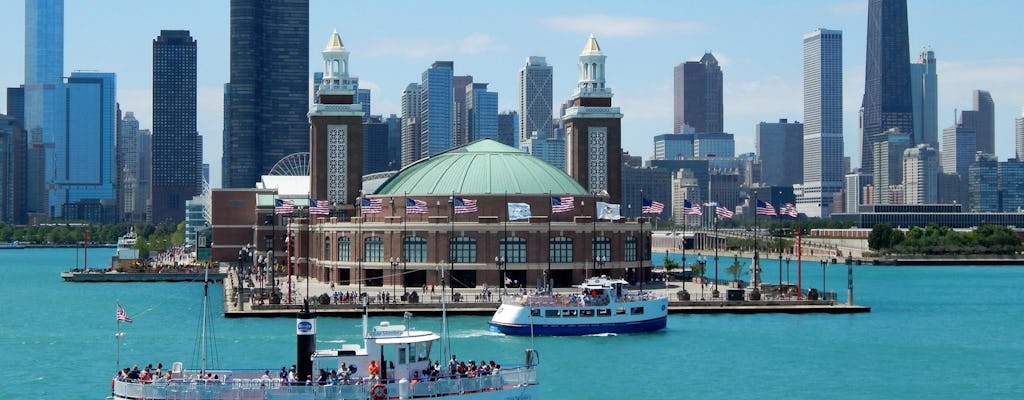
x=408 y=350
x=602 y=305
x=11 y=245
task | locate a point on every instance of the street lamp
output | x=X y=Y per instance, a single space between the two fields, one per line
x=273 y=281
x=788 y=259
x=499 y=262
x=824 y=262
x=702 y=261
x=394 y=268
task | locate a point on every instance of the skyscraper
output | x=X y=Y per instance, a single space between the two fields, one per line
x=983 y=183
x=12 y=170
x=129 y=152
x=44 y=101
x=460 y=112
x=780 y=147
x=697 y=96
x=1019 y=135
x=924 y=92
x=982 y=120
x=269 y=87
x=436 y=114
x=823 y=172
x=887 y=99
x=411 y=105
x=888 y=171
x=84 y=156
x=593 y=129
x=482 y=111
x=535 y=98
x=958 y=148
x=176 y=163
x=921 y=174
x=508 y=128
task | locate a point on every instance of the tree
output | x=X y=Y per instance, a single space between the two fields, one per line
x=736 y=269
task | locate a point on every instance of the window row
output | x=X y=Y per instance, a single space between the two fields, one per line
x=463 y=249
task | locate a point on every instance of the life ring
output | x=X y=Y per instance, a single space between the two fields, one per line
x=379 y=391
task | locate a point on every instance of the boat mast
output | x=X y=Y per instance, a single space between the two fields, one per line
x=202 y=337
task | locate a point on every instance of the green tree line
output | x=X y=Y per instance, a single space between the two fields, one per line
x=151 y=237
x=940 y=240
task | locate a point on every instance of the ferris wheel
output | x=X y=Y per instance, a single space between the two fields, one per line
x=295 y=164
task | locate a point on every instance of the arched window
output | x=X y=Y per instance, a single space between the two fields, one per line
x=560 y=249
x=513 y=249
x=373 y=247
x=602 y=247
x=327 y=248
x=463 y=249
x=414 y=249
x=629 y=253
x=344 y=249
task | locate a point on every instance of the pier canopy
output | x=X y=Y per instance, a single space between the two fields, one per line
x=484 y=166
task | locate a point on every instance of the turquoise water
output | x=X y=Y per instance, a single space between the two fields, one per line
x=934 y=332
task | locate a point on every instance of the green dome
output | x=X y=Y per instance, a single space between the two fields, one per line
x=481 y=167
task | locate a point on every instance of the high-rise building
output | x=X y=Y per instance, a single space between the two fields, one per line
x=535 y=98
x=593 y=129
x=697 y=96
x=336 y=132
x=482 y=112
x=411 y=105
x=12 y=170
x=888 y=170
x=714 y=145
x=924 y=82
x=982 y=120
x=460 y=113
x=375 y=145
x=983 y=183
x=887 y=101
x=1019 y=135
x=132 y=196
x=1011 y=185
x=551 y=149
x=823 y=171
x=958 y=148
x=363 y=98
x=436 y=103
x=673 y=146
x=269 y=95
x=176 y=164
x=508 y=128
x=43 y=117
x=394 y=123
x=921 y=174
x=780 y=147
x=853 y=196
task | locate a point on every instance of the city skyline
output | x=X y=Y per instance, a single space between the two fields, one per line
x=762 y=80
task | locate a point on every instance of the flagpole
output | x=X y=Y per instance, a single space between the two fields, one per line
x=799 y=254
x=117 y=339
x=640 y=259
x=756 y=263
x=504 y=250
x=714 y=292
x=547 y=275
x=405 y=257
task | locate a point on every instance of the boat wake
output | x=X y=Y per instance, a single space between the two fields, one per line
x=606 y=334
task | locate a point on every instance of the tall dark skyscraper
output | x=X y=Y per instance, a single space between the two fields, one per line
x=982 y=120
x=175 y=157
x=697 y=96
x=888 y=100
x=269 y=92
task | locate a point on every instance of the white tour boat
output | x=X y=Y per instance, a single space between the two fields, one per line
x=602 y=305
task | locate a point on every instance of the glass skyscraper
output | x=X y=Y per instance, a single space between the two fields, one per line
x=84 y=156
x=411 y=105
x=269 y=96
x=535 y=98
x=887 y=100
x=925 y=94
x=436 y=115
x=823 y=171
x=44 y=105
x=780 y=147
x=176 y=161
x=482 y=107
x=697 y=96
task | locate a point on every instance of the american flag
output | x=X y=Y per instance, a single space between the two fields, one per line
x=284 y=206
x=371 y=206
x=691 y=208
x=651 y=207
x=464 y=206
x=319 y=207
x=413 y=206
x=562 y=204
x=123 y=315
x=764 y=208
x=723 y=212
x=788 y=210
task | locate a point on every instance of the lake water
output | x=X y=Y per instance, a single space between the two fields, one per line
x=934 y=332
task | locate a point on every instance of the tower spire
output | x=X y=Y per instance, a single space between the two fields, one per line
x=591 y=71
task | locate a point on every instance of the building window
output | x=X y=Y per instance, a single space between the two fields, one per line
x=629 y=253
x=463 y=249
x=560 y=249
x=373 y=247
x=602 y=248
x=414 y=249
x=513 y=249
x=344 y=249
x=327 y=248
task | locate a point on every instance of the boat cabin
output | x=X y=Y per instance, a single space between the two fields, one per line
x=407 y=350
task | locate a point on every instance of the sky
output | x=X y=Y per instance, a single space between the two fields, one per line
x=758 y=45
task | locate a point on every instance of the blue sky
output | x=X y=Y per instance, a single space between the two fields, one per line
x=758 y=44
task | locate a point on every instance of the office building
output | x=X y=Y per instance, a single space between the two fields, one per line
x=394 y=123
x=133 y=195
x=823 y=171
x=1018 y=134
x=13 y=147
x=714 y=145
x=673 y=146
x=651 y=183
x=888 y=172
x=925 y=98
x=436 y=114
x=697 y=96
x=1011 y=185
x=535 y=98
x=177 y=170
x=593 y=129
x=460 y=113
x=958 y=148
x=508 y=128
x=481 y=111
x=410 y=124
x=887 y=101
x=375 y=145
x=44 y=101
x=363 y=98
x=780 y=147
x=269 y=95
x=853 y=192
x=551 y=149
x=982 y=120
x=921 y=174
x=983 y=183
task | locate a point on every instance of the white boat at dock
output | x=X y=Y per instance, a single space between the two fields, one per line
x=602 y=305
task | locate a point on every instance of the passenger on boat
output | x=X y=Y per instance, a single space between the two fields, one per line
x=265 y=379
x=373 y=370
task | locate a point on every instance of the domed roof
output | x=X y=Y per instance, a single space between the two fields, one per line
x=482 y=167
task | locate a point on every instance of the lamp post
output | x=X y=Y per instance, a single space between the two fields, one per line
x=273 y=282
x=600 y=263
x=780 y=267
x=788 y=259
x=499 y=262
x=394 y=268
x=824 y=262
x=703 y=266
